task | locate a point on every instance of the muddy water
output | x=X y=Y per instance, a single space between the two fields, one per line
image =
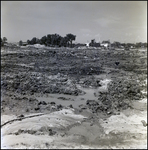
x=76 y=100
x=70 y=99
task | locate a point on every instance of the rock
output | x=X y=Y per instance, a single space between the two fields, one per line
x=83 y=107
x=75 y=93
x=27 y=110
x=31 y=93
x=94 y=111
x=42 y=102
x=51 y=132
x=53 y=108
x=137 y=98
x=19 y=132
x=66 y=91
x=138 y=95
x=32 y=99
x=109 y=112
x=36 y=108
x=105 y=108
x=70 y=106
x=25 y=98
x=21 y=116
x=47 y=90
x=23 y=93
x=144 y=123
x=63 y=134
x=48 y=107
x=63 y=98
x=80 y=110
x=52 y=103
x=39 y=103
x=124 y=89
x=63 y=80
x=138 y=91
x=59 y=106
x=91 y=124
x=91 y=102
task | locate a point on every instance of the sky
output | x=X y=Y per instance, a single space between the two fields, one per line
x=122 y=21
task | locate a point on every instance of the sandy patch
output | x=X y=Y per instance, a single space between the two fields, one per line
x=17 y=132
x=129 y=127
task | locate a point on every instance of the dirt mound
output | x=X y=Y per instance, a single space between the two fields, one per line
x=119 y=96
x=30 y=83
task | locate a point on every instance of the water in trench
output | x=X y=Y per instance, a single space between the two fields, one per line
x=67 y=100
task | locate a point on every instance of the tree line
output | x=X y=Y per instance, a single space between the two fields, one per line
x=66 y=41
x=3 y=41
x=52 y=40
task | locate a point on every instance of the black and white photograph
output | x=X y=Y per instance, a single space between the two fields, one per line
x=73 y=74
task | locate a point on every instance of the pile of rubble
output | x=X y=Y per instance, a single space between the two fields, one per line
x=29 y=83
x=118 y=97
x=28 y=105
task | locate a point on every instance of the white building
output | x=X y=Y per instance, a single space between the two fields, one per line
x=105 y=44
x=87 y=44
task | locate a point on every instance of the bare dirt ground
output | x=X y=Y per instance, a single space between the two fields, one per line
x=72 y=98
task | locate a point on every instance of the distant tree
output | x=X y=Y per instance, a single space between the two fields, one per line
x=33 y=41
x=97 y=45
x=71 y=38
x=37 y=41
x=92 y=43
x=28 y=42
x=43 y=40
x=20 y=43
x=140 y=44
x=145 y=45
x=65 y=41
x=117 y=44
x=48 y=39
x=59 y=40
x=129 y=45
x=2 y=44
x=4 y=39
x=123 y=44
x=108 y=41
x=53 y=38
